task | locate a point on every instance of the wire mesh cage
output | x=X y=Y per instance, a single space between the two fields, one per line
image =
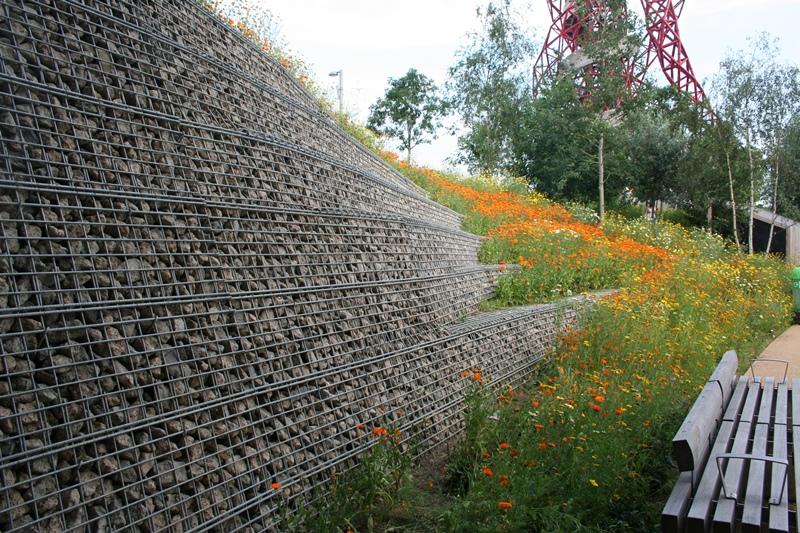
x=205 y=285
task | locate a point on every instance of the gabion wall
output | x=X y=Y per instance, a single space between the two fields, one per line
x=205 y=285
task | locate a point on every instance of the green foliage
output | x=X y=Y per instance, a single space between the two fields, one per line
x=361 y=497
x=362 y=134
x=555 y=147
x=628 y=210
x=758 y=97
x=585 y=446
x=613 y=45
x=655 y=150
x=789 y=185
x=410 y=111
x=487 y=87
x=680 y=217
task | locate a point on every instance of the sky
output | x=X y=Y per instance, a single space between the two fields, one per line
x=374 y=40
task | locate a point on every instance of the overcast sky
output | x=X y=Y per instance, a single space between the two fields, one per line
x=373 y=40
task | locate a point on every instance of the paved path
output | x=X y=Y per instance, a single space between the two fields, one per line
x=784 y=348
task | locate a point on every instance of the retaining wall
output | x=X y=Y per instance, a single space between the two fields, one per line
x=205 y=285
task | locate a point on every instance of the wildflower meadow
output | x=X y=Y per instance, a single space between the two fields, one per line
x=585 y=445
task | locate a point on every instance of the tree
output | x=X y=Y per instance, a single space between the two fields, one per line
x=713 y=172
x=779 y=87
x=488 y=86
x=742 y=92
x=555 y=146
x=410 y=111
x=610 y=43
x=655 y=151
x=788 y=189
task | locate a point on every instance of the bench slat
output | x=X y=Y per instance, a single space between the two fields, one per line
x=779 y=513
x=707 y=491
x=754 y=489
x=673 y=516
x=796 y=451
x=725 y=513
x=795 y=402
x=739 y=393
x=782 y=404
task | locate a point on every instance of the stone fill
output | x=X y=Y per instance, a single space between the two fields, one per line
x=207 y=287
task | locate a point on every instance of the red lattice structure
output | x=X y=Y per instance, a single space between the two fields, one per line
x=562 y=46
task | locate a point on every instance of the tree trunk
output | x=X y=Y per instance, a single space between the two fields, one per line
x=774 y=204
x=752 y=196
x=601 y=178
x=408 y=143
x=710 y=217
x=733 y=199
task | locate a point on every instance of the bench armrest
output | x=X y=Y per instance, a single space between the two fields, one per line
x=760 y=360
x=751 y=457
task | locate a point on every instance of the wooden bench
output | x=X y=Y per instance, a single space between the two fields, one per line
x=735 y=452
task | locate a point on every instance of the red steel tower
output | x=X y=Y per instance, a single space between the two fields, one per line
x=562 y=46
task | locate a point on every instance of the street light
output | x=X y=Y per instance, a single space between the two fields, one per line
x=339 y=93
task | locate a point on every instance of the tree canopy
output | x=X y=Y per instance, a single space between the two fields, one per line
x=409 y=112
x=488 y=86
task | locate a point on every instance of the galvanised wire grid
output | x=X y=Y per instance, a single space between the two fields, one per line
x=104 y=145
x=205 y=287
x=189 y=84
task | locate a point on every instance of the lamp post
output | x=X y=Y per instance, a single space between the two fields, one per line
x=339 y=93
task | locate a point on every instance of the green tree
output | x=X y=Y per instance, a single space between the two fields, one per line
x=740 y=100
x=488 y=86
x=655 y=150
x=788 y=189
x=555 y=146
x=589 y=102
x=608 y=48
x=410 y=111
x=779 y=94
x=712 y=174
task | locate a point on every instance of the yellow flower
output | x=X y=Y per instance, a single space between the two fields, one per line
x=593 y=483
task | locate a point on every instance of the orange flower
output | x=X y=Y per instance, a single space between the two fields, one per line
x=379 y=432
x=504 y=446
x=276 y=486
x=534 y=403
x=359 y=426
x=505 y=506
x=543 y=445
x=464 y=373
x=485 y=454
x=514 y=453
x=619 y=410
x=487 y=471
x=477 y=376
x=595 y=407
x=599 y=398
x=504 y=480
